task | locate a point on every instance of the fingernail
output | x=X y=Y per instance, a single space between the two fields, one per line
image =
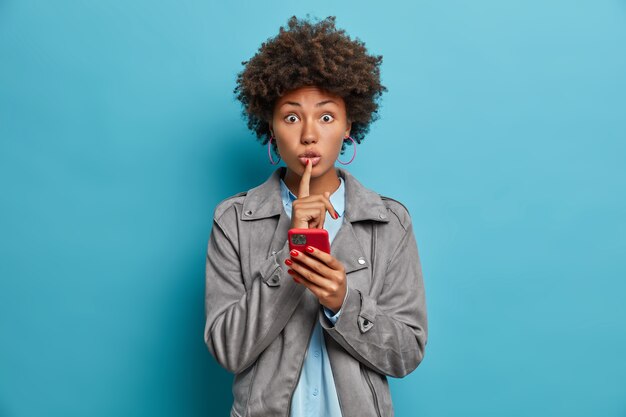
x=288 y=262
x=335 y=216
x=310 y=249
x=290 y=271
x=294 y=253
x=296 y=279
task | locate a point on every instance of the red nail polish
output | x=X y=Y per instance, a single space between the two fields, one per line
x=310 y=249
x=294 y=253
x=290 y=271
x=288 y=261
x=296 y=279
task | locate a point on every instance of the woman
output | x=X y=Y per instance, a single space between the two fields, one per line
x=310 y=333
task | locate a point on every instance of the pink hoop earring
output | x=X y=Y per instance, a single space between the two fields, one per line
x=354 y=144
x=269 y=153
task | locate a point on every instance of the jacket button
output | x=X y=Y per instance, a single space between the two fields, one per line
x=248 y=212
x=274 y=279
x=382 y=216
x=361 y=261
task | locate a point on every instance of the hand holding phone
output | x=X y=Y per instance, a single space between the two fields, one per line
x=318 y=271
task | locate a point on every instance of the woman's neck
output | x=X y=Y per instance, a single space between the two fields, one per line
x=329 y=181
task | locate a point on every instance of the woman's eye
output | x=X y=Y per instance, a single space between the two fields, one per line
x=327 y=118
x=292 y=118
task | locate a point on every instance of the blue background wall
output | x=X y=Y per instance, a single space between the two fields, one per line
x=503 y=131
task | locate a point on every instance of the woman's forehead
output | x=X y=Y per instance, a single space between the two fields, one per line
x=309 y=96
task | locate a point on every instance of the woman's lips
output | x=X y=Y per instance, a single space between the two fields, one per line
x=314 y=160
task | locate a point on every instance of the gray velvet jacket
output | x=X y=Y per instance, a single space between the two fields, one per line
x=258 y=320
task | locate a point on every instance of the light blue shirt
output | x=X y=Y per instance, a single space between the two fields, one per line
x=315 y=394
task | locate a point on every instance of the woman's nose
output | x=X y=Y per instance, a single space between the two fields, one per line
x=308 y=134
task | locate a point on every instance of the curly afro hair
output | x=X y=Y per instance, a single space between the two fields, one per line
x=311 y=54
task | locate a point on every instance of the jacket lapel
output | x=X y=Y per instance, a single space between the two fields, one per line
x=347 y=249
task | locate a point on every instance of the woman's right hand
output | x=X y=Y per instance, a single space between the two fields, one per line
x=309 y=211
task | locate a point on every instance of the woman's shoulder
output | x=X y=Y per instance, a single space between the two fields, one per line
x=398 y=210
x=228 y=203
x=258 y=194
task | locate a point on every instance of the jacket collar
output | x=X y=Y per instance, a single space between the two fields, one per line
x=360 y=203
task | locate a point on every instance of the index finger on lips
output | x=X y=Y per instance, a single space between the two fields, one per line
x=303 y=190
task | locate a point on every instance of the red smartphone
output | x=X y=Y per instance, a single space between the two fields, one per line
x=301 y=238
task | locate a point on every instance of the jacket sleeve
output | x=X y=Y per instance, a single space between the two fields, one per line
x=240 y=322
x=387 y=334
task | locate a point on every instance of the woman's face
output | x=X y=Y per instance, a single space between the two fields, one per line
x=309 y=123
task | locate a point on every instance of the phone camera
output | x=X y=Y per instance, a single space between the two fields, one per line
x=298 y=239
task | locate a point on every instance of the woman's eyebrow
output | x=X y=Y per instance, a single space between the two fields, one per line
x=321 y=103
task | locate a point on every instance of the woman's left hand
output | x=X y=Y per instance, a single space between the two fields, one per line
x=321 y=273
